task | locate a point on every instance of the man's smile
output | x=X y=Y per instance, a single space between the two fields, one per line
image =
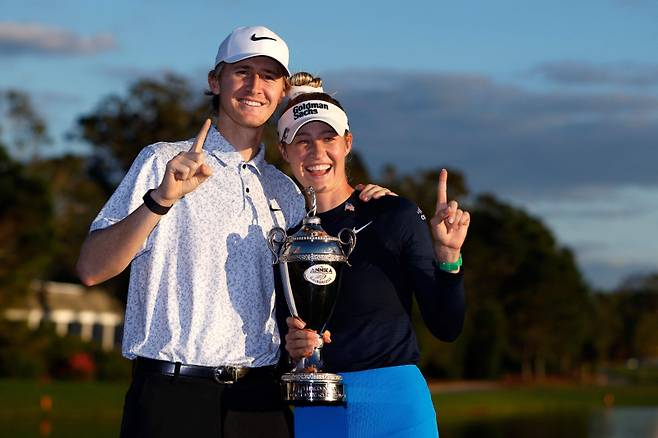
x=250 y=102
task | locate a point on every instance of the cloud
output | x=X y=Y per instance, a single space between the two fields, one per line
x=611 y=276
x=507 y=139
x=608 y=206
x=583 y=73
x=20 y=39
x=589 y=210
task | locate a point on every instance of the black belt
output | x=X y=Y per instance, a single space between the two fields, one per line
x=222 y=374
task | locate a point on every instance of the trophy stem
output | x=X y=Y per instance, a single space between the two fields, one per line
x=310 y=193
x=310 y=364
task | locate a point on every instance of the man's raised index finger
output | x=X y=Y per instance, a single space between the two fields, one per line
x=201 y=137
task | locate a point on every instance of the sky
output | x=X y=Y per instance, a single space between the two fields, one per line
x=549 y=105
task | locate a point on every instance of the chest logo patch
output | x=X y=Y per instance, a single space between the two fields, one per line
x=356 y=231
x=320 y=274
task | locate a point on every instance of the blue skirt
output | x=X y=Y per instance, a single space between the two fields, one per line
x=389 y=402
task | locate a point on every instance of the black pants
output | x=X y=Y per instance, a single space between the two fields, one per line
x=162 y=406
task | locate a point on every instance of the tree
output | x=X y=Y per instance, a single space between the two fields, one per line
x=636 y=306
x=76 y=200
x=605 y=324
x=24 y=129
x=518 y=264
x=645 y=342
x=26 y=228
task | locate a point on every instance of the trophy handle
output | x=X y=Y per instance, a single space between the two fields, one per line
x=287 y=289
x=275 y=244
x=349 y=241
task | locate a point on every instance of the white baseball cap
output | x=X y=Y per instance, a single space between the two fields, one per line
x=250 y=41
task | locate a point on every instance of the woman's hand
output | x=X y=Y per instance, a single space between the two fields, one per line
x=449 y=224
x=300 y=342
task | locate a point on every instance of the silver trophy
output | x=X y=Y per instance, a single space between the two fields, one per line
x=310 y=262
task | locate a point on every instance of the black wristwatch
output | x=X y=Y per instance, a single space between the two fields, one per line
x=154 y=206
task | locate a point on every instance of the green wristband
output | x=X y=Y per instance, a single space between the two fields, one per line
x=449 y=267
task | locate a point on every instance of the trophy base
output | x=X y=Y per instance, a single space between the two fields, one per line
x=313 y=389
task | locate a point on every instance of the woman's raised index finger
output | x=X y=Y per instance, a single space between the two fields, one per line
x=442 y=191
x=201 y=137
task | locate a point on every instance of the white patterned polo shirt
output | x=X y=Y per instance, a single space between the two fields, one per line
x=201 y=287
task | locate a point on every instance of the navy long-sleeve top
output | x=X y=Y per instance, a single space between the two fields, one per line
x=392 y=261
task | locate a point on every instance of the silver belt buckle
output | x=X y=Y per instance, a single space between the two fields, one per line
x=226 y=375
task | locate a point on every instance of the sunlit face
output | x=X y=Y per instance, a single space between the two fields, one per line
x=317 y=156
x=249 y=91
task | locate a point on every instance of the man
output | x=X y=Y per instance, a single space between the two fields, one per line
x=192 y=218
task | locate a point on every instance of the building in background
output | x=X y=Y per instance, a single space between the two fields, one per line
x=90 y=313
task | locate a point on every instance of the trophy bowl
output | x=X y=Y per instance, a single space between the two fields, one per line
x=310 y=262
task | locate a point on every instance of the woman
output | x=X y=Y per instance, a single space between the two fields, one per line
x=373 y=343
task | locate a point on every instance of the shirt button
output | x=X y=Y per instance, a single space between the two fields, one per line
x=247 y=190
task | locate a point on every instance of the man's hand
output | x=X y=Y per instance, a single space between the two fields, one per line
x=300 y=342
x=372 y=191
x=185 y=172
x=449 y=224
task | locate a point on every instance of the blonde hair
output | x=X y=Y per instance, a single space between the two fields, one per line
x=303 y=78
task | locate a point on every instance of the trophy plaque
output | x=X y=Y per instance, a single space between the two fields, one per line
x=310 y=262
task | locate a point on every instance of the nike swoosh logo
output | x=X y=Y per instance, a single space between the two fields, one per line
x=359 y=230
x=255 y=38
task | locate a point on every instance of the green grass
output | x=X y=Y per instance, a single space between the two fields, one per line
x=69 y=399
x=77 y=409
x=537 y=400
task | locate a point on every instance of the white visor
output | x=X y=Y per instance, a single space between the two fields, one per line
x=311 y=111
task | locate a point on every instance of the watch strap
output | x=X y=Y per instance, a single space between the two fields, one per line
x=154 y=206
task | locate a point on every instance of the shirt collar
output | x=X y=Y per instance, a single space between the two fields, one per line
x=220 y=147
